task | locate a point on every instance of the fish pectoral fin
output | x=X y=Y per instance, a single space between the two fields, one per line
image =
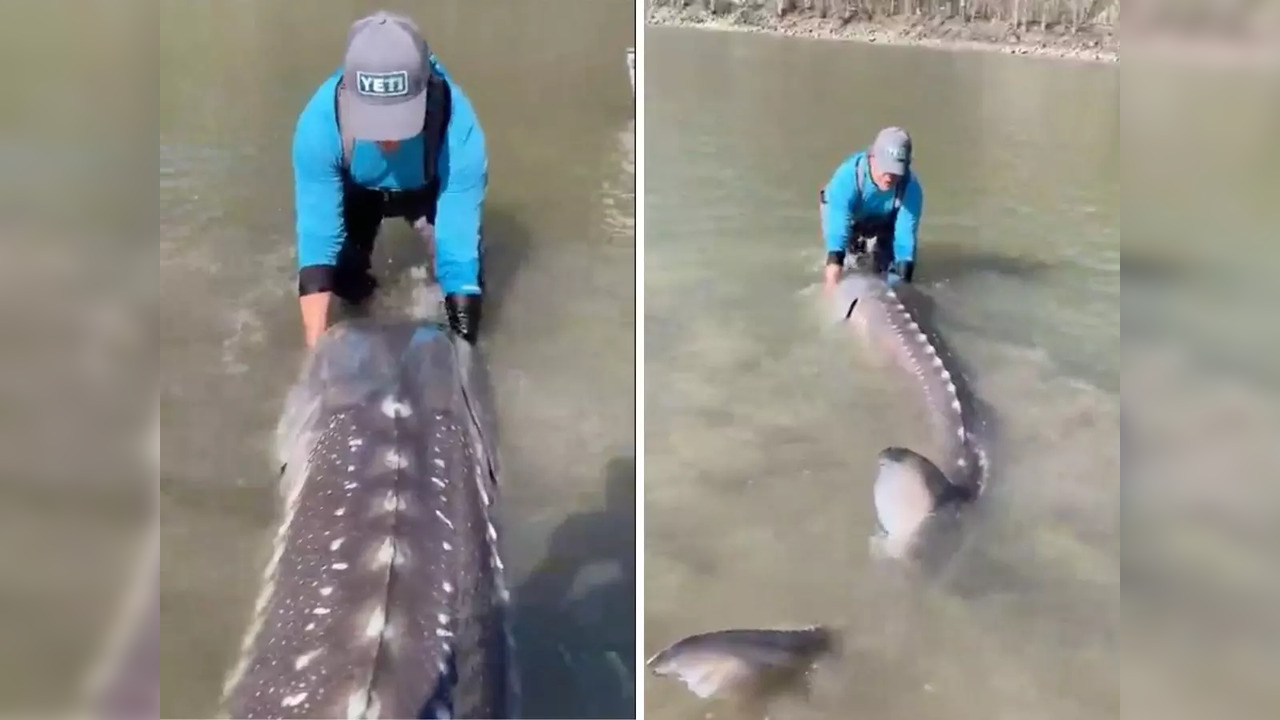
x=707 y=679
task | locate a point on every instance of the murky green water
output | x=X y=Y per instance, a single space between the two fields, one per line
x=75 y=367
x=1202 y=393
x=550 y=87
x=761 y=429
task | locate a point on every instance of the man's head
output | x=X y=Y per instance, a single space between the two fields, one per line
x=890 y=157
x=384 y=79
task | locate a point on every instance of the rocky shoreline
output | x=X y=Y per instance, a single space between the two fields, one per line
x=1097 y=44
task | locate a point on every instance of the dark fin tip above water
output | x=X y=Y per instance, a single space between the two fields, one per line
x=754 y=662
x=935 y=480
x=899 y=454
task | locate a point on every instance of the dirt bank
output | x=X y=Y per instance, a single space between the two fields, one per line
x=1094 y=43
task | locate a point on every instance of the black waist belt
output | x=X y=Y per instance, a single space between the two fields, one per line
x=393 y=201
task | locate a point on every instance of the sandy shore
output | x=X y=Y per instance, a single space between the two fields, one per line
x=1094 y=45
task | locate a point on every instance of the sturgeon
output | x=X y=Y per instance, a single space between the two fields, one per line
x=909 y=489
x=384 y=595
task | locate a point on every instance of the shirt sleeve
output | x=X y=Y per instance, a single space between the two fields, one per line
x=317 y=193
x=839 y=194
x=464 y=181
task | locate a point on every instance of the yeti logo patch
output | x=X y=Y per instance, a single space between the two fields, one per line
x=383 y=85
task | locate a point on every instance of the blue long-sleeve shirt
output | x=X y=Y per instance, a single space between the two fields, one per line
x=463 y=170
x=845 y=205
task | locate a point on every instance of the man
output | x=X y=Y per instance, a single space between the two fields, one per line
x=387 y=135
x=873 y=195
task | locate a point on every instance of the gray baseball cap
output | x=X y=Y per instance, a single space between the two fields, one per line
x=892 y=151
x=384 y=88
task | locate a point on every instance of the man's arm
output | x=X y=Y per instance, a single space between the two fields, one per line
x=906 y=228
x=839 y=194
x=464 y=180
x=317 y=189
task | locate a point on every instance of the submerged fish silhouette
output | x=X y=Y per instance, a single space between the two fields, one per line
x=755 y=664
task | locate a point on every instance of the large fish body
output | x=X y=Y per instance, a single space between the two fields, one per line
x=891 y=319
x=909 y=487
x=384 y=595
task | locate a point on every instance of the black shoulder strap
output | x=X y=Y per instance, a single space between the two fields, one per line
x=857 y=172
x=436 y=125
x=901 y=191
x=348 y=140
x=439 y=107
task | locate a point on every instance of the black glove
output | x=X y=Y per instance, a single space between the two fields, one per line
x=901 y=271
x=464 y=315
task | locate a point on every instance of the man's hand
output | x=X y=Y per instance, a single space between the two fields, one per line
x=831 y=276
x=315 y=316
x=900 y=271
x=464 y=315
